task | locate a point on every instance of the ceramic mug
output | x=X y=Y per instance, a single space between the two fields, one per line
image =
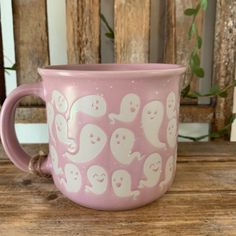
x=112 y=131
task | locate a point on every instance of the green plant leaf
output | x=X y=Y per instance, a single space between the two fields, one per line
x=192 y=31
x=185 y=91
x=109 y=35
x=199 y=72
x=196 y=59
x=190 y=12
x=199 y=42
x=214 y=89
x=204 y=4
x=11 y=68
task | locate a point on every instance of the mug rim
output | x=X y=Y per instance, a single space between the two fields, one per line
x=111 y=68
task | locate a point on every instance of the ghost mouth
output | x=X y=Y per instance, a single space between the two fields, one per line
x=152 y=117
x=132 y=109
x=118 y=185
x=100 y=180
x=155 y=169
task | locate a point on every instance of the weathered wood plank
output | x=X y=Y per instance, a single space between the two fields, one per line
x=83 y=31
x=170 y=32
x=201 y=201
x=2 y=80
x=177 y=45
x=196 y=113
x=131 y=22
x=31 y=42
x=224 y=58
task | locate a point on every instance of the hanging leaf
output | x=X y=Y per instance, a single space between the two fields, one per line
x=199 y=42
x=190 y=12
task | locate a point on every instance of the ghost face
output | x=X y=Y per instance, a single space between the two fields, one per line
x=122 y=139
x=152 y=111
x=172 y=132
x=98 y=105
x=60 y=101
x=131 y=103
x=97 y=176
x=152 y=165
x=121 y=179
x=170 y=105
x=54 y=157
x=72 y=174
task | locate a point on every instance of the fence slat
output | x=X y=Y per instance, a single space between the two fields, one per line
x=131 y=22
x=224 y=57
x=83 y=31
x=31 y=41
x=177 y=45
x=2 y=80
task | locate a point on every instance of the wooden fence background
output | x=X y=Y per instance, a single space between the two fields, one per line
x=132 y=19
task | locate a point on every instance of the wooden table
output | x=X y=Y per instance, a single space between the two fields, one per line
x=202 y=201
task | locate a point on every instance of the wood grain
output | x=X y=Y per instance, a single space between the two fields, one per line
x=224 y=58
x=131 y=22
x=83 y=31
x=202 y=201
x=31 y=42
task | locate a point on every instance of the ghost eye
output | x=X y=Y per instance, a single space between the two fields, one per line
x=91 y=135
x=121 y=178
x=149 y=112
x=155 y=112
x=117 y=136
x=103 y=175
x=97 y=102
x=123 y=137
x=98 y=139
x=131 y=103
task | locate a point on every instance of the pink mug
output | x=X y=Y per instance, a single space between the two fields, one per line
x=112 y=131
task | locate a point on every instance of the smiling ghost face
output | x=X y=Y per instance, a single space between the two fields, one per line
x=97 y=176
x=172 y=132
x=73 y=177
x=60 y=124
x=153 y=111
x=152 y=165
x=60 y=101
x=92 y=140
x=170 y=105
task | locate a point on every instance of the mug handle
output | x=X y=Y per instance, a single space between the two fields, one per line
x=9 y=140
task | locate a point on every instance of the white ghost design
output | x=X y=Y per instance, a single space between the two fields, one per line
x=121 y=144
x=92 y=142
x=50 y=118
x=62 y=133
x=172 y=132
x=171 y=105
x=152 y=118
x=129 y=109
x=72 y=181
x=60 y=101
x=121 y=184
x=152 y=170
x=169 y=171
x=92 y=105
x=98 y=179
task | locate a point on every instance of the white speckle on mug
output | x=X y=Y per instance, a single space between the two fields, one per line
x=97 y=88
x=111 y=86
x=132 y=81
x=156 y=92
